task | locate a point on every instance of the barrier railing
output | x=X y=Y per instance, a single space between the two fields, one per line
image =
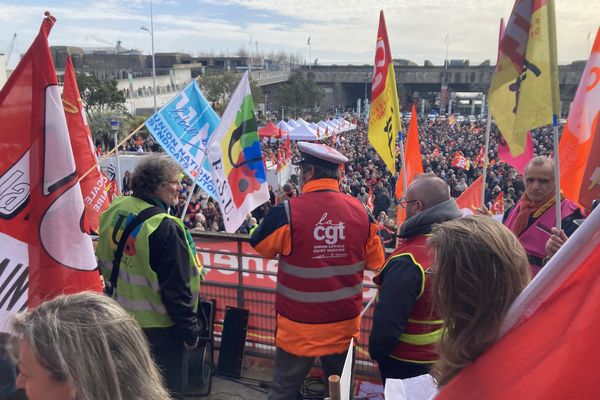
x=238 y=276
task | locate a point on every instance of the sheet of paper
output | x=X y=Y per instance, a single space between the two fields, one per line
x=421 y=387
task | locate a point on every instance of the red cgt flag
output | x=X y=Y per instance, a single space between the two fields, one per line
x=460 y=161
x=41 y=205
x=579 y=146
x=549 y=350
x=370 y=204
x=93 y=185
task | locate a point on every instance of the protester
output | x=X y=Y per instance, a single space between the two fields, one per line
x=324 y=240
x=532 y=218
x=84 y=347
x=405 y=326
x=158 y=279
x=480 y=268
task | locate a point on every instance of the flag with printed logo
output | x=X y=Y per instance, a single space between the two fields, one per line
x=579 y=149
x=93 y=185
x=183 y=128
x=235 y=156
x=45 y=252
x=384 y=114
x=524 y=91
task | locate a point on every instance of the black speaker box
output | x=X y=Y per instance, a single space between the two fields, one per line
x=233 y=341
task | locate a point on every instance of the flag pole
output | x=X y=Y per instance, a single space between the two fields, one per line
x=555 y=103
x=107 y=155
x=189 y=197
x=488 y=128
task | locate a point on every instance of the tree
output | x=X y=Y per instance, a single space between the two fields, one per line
x=299 y=95
x=218 y=89
x=101 y=99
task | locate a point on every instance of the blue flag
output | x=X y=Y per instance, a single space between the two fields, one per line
x=182 y=127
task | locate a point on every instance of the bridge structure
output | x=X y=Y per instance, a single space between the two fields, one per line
x=343 y=85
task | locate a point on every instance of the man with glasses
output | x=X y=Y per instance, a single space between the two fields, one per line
x=405 y=326
x=158 y=277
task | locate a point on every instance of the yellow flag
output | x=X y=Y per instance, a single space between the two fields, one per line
x=384 y=116
x=524 y=92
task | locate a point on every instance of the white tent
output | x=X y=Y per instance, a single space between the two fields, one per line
x=333 y=127
x=344 y=125
x=284 y=126
x=300 y=121
x=323 y=127
x=303 y=132
x=293 y=124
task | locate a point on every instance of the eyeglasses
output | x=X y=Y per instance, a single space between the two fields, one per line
x=403 y=202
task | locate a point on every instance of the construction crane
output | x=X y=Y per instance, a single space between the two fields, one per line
x=118 y=48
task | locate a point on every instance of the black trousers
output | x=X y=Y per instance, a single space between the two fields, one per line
x=171 y=357
x=396 y=369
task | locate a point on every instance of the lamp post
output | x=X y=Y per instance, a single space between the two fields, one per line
x=151 y=32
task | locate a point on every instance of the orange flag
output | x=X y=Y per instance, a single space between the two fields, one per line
x=471 y=198
x=498 y=205
x=579 y=165
x=412 y=154
x=93 y=186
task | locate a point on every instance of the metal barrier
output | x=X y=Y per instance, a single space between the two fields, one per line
x=240 y=277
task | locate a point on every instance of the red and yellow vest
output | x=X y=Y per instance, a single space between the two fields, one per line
x=424 y=326
x=321 y=280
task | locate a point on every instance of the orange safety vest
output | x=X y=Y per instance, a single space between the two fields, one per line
x=321 y=280
x=424 y=326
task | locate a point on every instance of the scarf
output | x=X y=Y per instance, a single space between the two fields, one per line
x=528 y=209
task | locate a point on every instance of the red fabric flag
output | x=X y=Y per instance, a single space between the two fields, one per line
x=93 y=185
x=333 y=139
x=460 y=161
x=99 y=151
x=412 y=155
x=400 y=215
x=518 y=162
x=579 y=161
x=471 y=197
x=480 y=157
x=288 y=147
x=549 y=350
x=41 y=202
x=112 y=189
x=436 y=151
x=370 y=203
x=498 y=205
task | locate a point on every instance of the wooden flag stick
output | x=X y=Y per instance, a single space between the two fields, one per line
x=111 y=152
x=334 y=387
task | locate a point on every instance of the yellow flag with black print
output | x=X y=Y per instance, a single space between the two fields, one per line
x=524 y=91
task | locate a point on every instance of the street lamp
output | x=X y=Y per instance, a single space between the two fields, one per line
x=151 y=32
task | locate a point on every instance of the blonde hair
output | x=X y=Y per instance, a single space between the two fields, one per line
x=89 y=340
x=480 y=268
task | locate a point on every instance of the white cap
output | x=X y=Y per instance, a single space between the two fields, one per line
x=320 y=154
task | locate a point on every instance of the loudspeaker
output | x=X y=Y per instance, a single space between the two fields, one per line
x=233 y=341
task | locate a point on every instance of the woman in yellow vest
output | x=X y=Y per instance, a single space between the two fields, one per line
x=158 y=280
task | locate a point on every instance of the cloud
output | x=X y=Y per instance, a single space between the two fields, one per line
x=340 y=30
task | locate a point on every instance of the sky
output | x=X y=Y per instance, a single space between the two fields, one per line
x=341 y=31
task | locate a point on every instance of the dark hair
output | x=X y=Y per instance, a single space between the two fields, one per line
x=150 y=173
x=322 y=172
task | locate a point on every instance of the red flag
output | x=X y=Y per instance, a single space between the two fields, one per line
x=370 y=204
x=41 y=202
x=333 y=138
x=412 y=154
x=288 y=147
x=112 y=189
x=436 y=151
x=471 y=198
x=93 y=186
x=480 y=157
x=99 y=151
x=518 y=162
x=579 y=162
x=550 y=350
x=460 y=161
x=498 y=205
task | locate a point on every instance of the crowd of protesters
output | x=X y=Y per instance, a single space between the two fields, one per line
x=366 y=177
